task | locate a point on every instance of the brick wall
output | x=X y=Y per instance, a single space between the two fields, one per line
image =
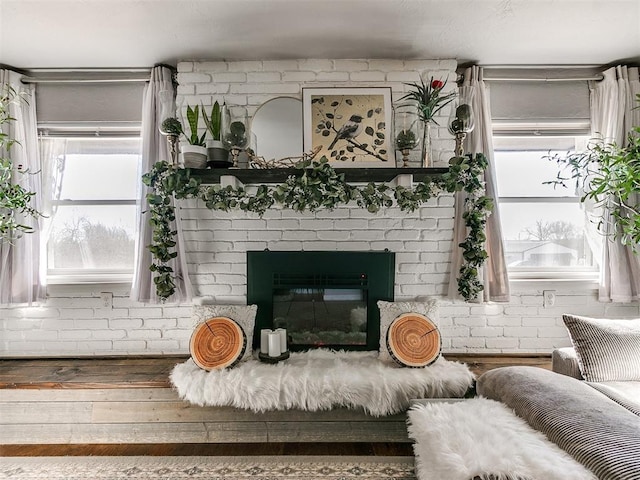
x=74 y=322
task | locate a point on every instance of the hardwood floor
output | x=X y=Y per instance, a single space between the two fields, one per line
x=209 y=449
x=125 y=406
x=153 y=372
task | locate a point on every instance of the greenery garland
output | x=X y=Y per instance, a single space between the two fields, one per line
x=318 y=186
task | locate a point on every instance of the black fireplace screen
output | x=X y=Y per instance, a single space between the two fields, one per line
x=322 y=299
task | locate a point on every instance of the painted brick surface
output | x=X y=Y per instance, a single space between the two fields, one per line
x=73 y=321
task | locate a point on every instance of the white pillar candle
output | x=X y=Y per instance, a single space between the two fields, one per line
x=264 y=340
x=283 y=339
x=274 y=344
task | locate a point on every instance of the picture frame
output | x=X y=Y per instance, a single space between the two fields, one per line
x=353 y=126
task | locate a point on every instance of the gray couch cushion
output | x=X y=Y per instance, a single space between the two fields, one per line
x=626 y=394
x=565 y=361
x=595 y=430
x=608 y=350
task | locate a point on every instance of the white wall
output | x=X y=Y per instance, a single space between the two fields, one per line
x=73 y=321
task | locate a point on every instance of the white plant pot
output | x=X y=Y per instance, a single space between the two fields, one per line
x=194 y=156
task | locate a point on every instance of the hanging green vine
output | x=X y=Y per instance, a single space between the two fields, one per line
x=319 y=186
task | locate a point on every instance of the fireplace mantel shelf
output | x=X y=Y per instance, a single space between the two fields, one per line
x=279 y=175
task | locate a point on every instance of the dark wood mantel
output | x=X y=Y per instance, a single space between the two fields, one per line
x=279 y=175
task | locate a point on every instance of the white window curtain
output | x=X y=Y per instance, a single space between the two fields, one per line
x=154 y=149
x=494 y=273
x=21 y=279
x=613 y=115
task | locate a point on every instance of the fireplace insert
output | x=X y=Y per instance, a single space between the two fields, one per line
x=322 y=299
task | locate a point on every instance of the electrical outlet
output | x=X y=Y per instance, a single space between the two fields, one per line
x=548 y=298
x=106 y=299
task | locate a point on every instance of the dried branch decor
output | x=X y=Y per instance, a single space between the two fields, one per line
x=318 y=186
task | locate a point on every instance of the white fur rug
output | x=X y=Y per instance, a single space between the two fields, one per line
x=481 y=438
x=321 y=380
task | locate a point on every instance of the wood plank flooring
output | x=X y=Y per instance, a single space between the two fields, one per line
x=125 y=406
x=153 y=372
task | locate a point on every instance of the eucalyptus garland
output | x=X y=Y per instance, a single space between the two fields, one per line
x=318 y=186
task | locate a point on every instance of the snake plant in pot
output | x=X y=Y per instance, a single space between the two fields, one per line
x=194 y=154
x=218 y=155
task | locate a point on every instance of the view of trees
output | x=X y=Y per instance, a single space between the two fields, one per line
x=557 y=230
x=83 y=244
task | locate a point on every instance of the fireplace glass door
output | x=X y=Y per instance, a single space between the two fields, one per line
x=322 y=299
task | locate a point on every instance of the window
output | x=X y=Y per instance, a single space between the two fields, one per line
x=544 y=228
x=92 y=231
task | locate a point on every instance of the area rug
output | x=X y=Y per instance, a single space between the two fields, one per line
x=321 y=380
x=484 y=440
x=207 y=468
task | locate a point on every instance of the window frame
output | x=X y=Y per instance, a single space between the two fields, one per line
x=106 y=130
x=580 y=132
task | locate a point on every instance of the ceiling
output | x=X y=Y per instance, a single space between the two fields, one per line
x=141 y=33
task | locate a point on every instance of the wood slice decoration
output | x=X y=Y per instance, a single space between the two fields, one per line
x=217 y=343
x=413 y=340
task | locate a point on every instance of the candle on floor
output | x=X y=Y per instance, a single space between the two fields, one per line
x=274 y=344
x=283 y=339
x=264 y=340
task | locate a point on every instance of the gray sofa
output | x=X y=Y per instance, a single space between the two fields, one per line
x=592 y=421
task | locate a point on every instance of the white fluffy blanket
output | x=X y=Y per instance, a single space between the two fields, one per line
x=321 y=380
x=483 y=438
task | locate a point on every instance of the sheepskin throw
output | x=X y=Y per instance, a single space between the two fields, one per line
x=321 y=380
x=483 y=439
x=389 y=311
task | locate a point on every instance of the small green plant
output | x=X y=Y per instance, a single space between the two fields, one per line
x=214 y=121
x=193 y=119
x=171 y=126
x=15 y=200
x=406 y=140
x=237 y=136
x=462 y=121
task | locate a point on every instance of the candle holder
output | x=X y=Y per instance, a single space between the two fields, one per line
x=407 y=129
x=461 y=122
x=236 y=134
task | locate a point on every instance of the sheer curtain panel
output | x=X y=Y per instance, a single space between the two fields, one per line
x=613 y=115
x=22 y=279
x=494 y=274
x=154 y=149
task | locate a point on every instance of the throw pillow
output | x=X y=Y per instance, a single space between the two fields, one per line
x=243 y=315
x=389 y=311
x=608 y=350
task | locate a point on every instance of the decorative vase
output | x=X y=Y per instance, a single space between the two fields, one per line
x=194 y=156
x=427 y=152
x=235 y=133
x=218 y=156
x=408 y=130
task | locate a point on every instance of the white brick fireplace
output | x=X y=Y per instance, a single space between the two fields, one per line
x=75 y=322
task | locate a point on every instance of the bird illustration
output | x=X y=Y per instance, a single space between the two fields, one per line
x=350 y=129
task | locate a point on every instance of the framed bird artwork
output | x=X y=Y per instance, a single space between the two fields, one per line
x=351 y=125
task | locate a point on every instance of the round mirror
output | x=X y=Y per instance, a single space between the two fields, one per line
x=277 y=126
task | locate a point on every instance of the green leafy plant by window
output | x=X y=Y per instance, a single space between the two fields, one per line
x=15 y=200
x=609 y=175
x=318 y=186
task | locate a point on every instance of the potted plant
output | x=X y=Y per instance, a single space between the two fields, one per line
x=15 y=200
x=218 y=155
x=194 y=155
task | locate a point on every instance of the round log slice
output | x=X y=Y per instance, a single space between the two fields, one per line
x=217 y=343
x=413 y=340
